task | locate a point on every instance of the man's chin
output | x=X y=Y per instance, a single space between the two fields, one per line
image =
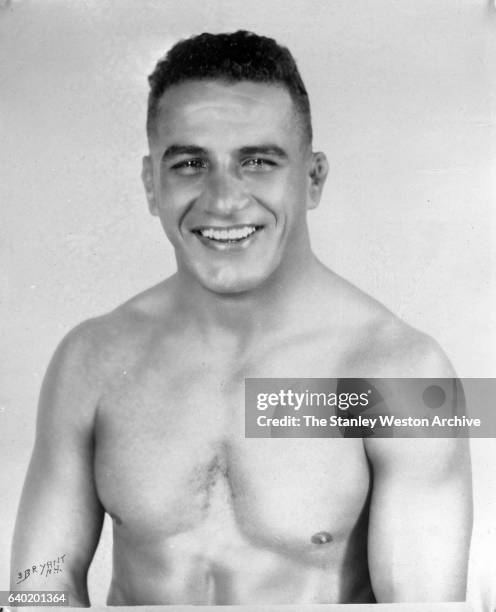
x=227 y=283
x=236 y=288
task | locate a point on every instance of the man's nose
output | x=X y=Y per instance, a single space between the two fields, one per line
x=224 y=193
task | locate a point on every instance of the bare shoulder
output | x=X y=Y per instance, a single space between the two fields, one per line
x=128 y=326
x=413 y=377
x=402 y=350
x=92 y=352
x=409 y=371
x=417 y=382
x=383 y=345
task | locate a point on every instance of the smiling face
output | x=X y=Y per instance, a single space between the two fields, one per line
x=230 y=175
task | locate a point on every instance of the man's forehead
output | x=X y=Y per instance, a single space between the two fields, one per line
x=241 y=102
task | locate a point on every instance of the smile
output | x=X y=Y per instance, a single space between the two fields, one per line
x=227 y=235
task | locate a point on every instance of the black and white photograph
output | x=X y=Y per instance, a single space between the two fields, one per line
x=202 y=201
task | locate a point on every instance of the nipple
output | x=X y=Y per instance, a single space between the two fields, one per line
x=322 y=537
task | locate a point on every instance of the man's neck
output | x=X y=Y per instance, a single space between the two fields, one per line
x=242 y=318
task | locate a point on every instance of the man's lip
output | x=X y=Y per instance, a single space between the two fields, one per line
x=198 y=228
x=227 y=233
x=217 y=236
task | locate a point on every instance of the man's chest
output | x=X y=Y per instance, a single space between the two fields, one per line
x=171 y=458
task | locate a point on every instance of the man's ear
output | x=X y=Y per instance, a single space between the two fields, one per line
x=319 y=168
x=147 y=178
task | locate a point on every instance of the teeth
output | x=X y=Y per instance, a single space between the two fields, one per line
x=233 y=233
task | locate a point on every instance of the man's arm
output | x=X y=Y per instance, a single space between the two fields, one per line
x=60 y=513
x=421 y=510
x=420 y=519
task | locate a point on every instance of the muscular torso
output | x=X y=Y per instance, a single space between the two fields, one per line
x=142 y=415
x=202 y=515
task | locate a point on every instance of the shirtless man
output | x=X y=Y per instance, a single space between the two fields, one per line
x=142 y=410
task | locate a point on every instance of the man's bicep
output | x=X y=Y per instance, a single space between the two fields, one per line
x=420 y=519
x=60 y=516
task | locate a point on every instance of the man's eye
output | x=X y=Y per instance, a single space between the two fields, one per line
x=258 y=164
x=190 y=166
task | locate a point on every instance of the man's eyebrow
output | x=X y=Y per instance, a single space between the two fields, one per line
x=175 y=150
x=263 y=149
x=266 y=149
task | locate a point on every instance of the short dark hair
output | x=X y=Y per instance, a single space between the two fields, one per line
x=232 y=57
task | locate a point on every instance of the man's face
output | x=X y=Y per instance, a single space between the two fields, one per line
x=230 y=175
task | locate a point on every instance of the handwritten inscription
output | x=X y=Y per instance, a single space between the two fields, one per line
x=42 y=569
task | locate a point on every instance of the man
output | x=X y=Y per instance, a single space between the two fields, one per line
x=142 y=410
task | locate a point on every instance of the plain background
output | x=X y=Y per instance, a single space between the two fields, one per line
x=403 y=98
